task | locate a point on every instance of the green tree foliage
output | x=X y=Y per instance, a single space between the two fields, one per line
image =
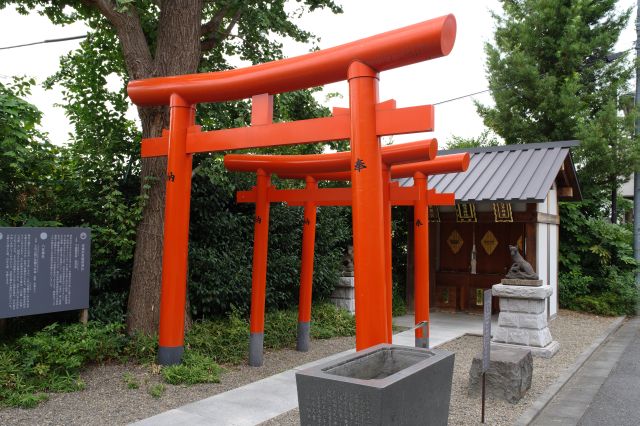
x=553 y=76
x=98 y=175
x=485 y=139
x=597 y=265
x=547 y=68
x=26 y=158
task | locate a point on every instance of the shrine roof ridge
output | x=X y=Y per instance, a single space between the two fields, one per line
x=514 y=147
x=515 y=173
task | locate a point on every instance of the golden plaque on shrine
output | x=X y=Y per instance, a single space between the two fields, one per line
x=434 y=214
x=455 y=241
x=489 y=242
x=466 y=212
x=502 y=212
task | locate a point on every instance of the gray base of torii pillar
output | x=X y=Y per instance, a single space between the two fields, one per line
x=304 y=336
x=170 y=355
x=256 y=349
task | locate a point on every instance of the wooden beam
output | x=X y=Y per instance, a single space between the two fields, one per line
x=565 y=191
x=388 y=122
x=552 y=219
x=399 y=196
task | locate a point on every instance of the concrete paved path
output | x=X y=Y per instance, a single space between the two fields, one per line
x=444 y=327
x=606 y=389
x=267 y=398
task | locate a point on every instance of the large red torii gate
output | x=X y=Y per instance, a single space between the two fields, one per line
x=311 y=197
x=358 y=62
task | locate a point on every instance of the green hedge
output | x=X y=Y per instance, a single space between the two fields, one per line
x=221 y=246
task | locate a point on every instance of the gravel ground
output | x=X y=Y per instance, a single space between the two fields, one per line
x=107 y=400
x=574 y=331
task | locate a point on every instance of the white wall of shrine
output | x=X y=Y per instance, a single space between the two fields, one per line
x=547 y=248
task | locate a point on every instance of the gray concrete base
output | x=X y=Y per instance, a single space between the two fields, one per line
x=304 y=336
x=170 y=355
x=256 y=349
x=547 y=352
x=422 y=342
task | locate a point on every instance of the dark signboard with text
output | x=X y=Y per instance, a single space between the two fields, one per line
x=43 y=270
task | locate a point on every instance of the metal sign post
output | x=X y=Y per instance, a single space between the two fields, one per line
x=486 y=343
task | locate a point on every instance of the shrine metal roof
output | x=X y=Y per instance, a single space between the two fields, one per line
x=522 y=172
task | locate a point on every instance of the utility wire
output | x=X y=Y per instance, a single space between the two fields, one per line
x=461 y=97
x=53 y=40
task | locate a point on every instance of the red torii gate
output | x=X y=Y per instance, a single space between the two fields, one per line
x=312 y=197
x=358 y=62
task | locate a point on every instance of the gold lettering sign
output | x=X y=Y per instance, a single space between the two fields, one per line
x=455 y=242
x=489 y=242
x=434 y=214
x=502 y=212
x=479 y=297
x=466 y=212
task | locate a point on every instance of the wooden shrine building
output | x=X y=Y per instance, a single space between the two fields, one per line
x=508 y=196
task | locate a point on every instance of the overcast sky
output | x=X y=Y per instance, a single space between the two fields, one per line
x=460 y=73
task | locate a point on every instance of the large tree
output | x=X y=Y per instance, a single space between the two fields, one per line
x=173 y=37
x=552 y=76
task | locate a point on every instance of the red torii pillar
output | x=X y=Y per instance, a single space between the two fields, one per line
x=311 y=197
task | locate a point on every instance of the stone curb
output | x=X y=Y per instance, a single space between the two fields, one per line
x=539 y=404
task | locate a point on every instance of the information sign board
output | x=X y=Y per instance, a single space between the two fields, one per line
x=43 y=270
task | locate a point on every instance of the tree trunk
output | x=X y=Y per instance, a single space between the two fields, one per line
x=144 y=296
x=614 y=201
x=177 y=52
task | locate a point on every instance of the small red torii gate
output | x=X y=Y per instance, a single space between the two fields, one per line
x=312 y=197
x=360 y=63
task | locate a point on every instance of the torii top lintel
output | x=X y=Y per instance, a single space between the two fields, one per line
x=404 y=46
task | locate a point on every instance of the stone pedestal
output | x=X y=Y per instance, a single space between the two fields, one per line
x=509 y=374
x=343 y=295
x=522 y=321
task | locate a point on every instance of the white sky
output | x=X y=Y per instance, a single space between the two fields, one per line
x=460 y=73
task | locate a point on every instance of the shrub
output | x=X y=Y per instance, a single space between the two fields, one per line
x=596 y=264
x=226 y=340
x=223 y=340
x=195 y=368
x=50 y=360
x=157 y=390
x=221 y=245
x=329 y=321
